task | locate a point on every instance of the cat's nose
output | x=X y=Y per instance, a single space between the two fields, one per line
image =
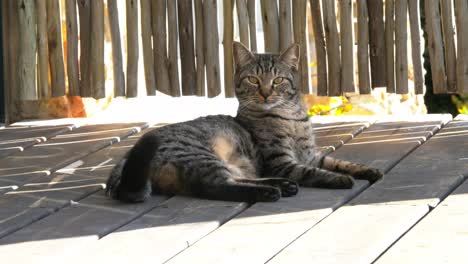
x=265 y=92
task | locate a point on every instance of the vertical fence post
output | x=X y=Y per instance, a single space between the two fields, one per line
x=347 y=54
x=132 y=48
x=390 y=45
x=146 y=33
x=333 y=49
x=243 y=20
x=252 y=25
x=210 y=25
x=363 y=47
x=461 y=15
x=84 y=9
x=449 y=45
x=413 y=12
x=187 y=53
x=57 y=70
x=27 y=50
x=119 y=79
x=97 y=49
x=285 y=24
x=377 y=43
x=42 y=61
x=322 y=86
x=199 y=46
x=158 y=11
x=72 y=48
x=401 y=42
x=300 y=37
x=173 y=65
x=270 y=25
x=228 y=38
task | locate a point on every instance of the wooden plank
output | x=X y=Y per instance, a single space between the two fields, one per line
x=26 y=89
x=439 y=238
x=146 y=33
x=377 y=43
x=270 y=21
x=413 y=10
x=18 y=138
x=54 y=34
x=171 y=227
x=285 y=24
x=186 y=42
x=45 y=195
x=158 y=13
x=333 y=50
x=96 y=62
x=401 y=47
x=117 y=64
x=449 y=45
x=228 y=38
x=213 y=81
x=363 y=48
x=300 y=37
x=132 y=47
x=42 y=60
x=243 y=20
x=200 y=46
x=252 y=25
x=436 y=53
x=173 y=65
x=347 y=43
x=84 y=9
x=317 y=26
x=397 y=202
x=61 y=150
x=73 y=227
x=461 y=15
x=278 y=224
x=73 y=72
x=389 y=43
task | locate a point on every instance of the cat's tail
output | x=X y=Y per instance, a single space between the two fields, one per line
x=115 y=176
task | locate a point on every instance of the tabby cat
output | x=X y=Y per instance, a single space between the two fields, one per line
x=259 y=155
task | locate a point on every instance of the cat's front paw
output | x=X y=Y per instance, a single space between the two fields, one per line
x=288 y=187
x=268 y=194
x=341 y=182
x=370 y=174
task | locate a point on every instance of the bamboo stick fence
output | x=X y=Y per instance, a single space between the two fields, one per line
x=180 y=45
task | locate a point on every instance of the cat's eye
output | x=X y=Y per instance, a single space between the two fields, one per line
x=278 y=80
x=253 y=80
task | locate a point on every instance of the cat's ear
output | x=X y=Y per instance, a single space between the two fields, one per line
x=291 y=56
x=242 y=56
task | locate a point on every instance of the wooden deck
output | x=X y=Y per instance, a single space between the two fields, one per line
x=52 y=205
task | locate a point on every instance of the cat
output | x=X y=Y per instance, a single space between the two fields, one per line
x=260 y=155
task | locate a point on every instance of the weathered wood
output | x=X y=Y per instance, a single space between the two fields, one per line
x=210 y=25
x=413 y=10
x=363 y=48
x=54 y=34
x=96 y=62
x=186 y=42
x=439 y=237
x=15 y=139
x=42 y=60
x=146 y=33
x=199 y=47
x=252 y=25
x=397 y=202
x=84 y=9
x=97 y=214
x=285 y=24
x=389 y=44
x=377 y=43
x=119 y=77
x=190 y=220
x=321 y=53
x=228 y=38
x=158 y=12
x=132 y=48
x=449 y=45
x=347 y=43
x=27 y=50
x=72 y=48
x=270 y=22
x=40 y=194
x=333 y=49
x=401 y=44
x=436 y=53
x=461 y=11
x=172 y=64
x=243 y=20
x=300 y=37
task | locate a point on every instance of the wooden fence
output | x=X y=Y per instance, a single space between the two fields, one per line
x=180 y=45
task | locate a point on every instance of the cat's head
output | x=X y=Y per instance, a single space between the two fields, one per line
x=266 y=81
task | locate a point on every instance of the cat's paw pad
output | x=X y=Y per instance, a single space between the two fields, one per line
x=370 y=174
x=342 y=182
x=288 y=188
x=269 y=195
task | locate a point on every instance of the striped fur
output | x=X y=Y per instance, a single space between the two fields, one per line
x=259 y=155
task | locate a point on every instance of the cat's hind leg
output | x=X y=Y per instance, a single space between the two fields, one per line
x=358 y=171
